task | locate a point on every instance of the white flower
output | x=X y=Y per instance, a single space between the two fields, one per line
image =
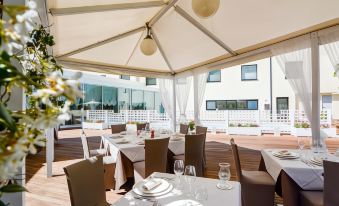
x=31 y=5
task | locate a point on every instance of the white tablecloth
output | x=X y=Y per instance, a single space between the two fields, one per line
x=134 y=153
x=216 y=196
x=307 y=177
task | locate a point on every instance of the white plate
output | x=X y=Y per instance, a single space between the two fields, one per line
x=175 y=138
x=122 y=141
x=164 y=188
x=291 y=155
x=116 y=136
x=318 y=162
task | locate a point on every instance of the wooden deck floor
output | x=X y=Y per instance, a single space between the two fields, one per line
x=45 y=191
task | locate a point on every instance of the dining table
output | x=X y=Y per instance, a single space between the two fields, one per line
x=183 y=197
x=294 y=174
x=128 y=148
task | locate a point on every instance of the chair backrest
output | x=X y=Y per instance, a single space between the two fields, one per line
x=156 y=155
x=236 y=159
x=194 y=152
x=85 y=181
x=117 y=128
x=141 y=126
x=331 y=182
x=85 y=146
x=183 y=128
x=200 y=130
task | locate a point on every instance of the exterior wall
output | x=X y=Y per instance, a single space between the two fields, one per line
x=335 y=106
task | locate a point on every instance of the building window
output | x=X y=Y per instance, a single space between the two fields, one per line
x=251 y=104
x=125 y=77
x=282 y=104
x=151 y=81
x=248 y=72
x=214 y=76
x=231 y=104
x=211 y=105
x=326 y=102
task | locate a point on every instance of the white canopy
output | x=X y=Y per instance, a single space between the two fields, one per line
x=104 y=35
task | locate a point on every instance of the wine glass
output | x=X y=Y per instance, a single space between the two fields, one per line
x=224 y=176
x=301 y=144
x=178 y=170
x=190 y=176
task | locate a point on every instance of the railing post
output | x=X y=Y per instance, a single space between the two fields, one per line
x=292 y=120
x=148 y=118
x=126 y=116
x=87 y=114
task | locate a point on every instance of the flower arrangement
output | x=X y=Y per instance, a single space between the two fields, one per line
x=26 y=64
x=191 y=125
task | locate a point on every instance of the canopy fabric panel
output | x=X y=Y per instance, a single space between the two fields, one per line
x=108 y=33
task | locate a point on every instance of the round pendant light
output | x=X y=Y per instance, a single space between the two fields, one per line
x=205 y=8
x=148 y=46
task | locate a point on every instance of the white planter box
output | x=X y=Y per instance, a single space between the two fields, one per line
x=302 y=132
x=92 y=125
x=244 y=130
x=330 y=132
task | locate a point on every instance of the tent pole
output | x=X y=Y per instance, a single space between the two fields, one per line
x=174 y=120
x=196 y=100
x=315 y=123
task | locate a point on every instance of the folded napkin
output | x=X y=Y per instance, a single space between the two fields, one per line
x=142 y=142
x=123 y=133
x=284 y=152
x=151 y=184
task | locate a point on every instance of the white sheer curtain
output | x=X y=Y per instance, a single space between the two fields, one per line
x=183 y=86
x=200 y=80
x=166 y=94
x=294 y=58
x=331 y=44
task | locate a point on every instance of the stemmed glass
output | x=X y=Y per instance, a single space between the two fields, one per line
x=224 y=176
x=301 y=144
x=190 y=177
x=178 y=170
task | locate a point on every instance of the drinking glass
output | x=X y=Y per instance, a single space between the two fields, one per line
x=302 y=141
x=201 y=194
x=178 y=170
x=190 y=176
x=224 y=176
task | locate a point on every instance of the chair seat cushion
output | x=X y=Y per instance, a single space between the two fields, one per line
x=109 y=160
x=257 y=178
x=179 y=157
x=95 y=152
x=311 y=198
x=139 y=167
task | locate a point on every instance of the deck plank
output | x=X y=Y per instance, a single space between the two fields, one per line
x=53 y=191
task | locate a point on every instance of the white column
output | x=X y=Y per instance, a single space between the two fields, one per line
x=315 y=124
x=49 y=151
x=174 y=120
x=196 y=100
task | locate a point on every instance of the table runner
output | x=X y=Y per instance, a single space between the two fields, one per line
x=134 y=152
x=215 y=196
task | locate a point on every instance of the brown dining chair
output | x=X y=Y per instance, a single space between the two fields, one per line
x=183 y=128
x=117 y=128
x=328 y=197
x=109 y=161
x=155 y=159
x=257 y=187
x=85 y=181
x=194 y=153
x=202 y=130
x=141 y=126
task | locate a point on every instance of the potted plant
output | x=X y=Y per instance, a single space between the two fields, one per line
x=301 y=129
x=191 y=127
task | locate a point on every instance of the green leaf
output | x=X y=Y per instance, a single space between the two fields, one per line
x=12 y=188
x=2 y=203
x=4 y=114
